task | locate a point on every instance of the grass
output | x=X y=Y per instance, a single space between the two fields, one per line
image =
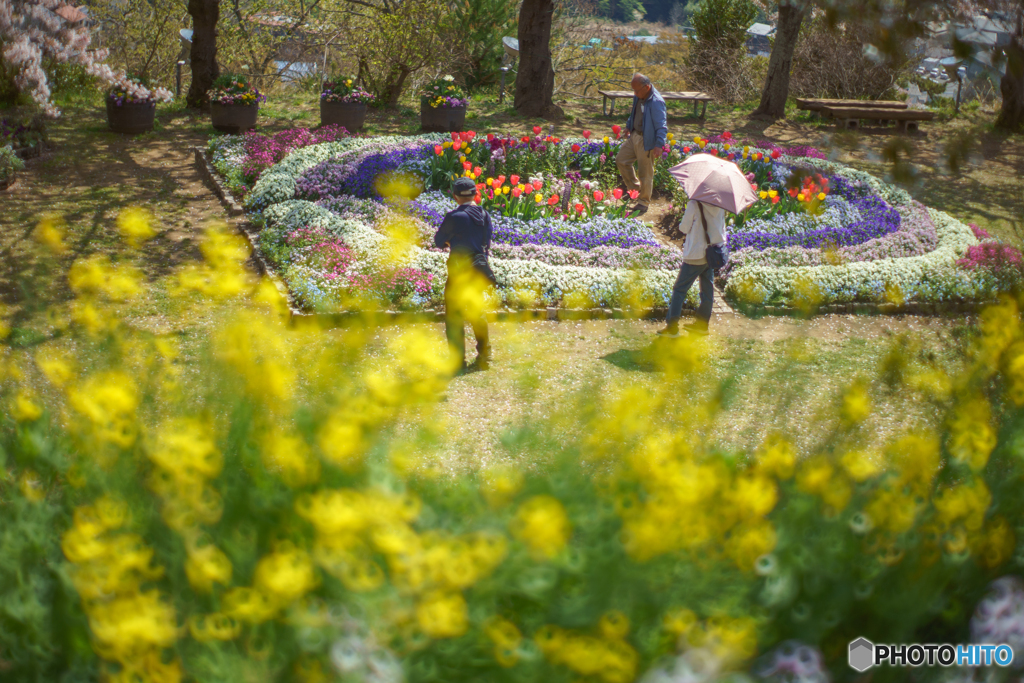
x=783 y=370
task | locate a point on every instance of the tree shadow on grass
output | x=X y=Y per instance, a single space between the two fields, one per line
x=635 y=360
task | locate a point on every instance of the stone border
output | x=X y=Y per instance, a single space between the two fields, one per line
x=234 y=208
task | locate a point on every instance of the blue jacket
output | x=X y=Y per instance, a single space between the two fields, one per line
x=655 y=120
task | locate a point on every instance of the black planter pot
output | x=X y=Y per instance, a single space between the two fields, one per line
x=234 y=118
x=131 y=118
x=348 y=115
x=442 y=119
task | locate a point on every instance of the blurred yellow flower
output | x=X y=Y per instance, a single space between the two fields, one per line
x=442 y=615
x=542 y=525
x=50 y=232
x=136 y=225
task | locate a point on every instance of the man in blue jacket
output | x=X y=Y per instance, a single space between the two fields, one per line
x=646 y=133
x=466 y=231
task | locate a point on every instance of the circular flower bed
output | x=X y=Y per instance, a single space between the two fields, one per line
x=821 y=232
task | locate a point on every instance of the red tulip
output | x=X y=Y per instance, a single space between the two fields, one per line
x=731 y=156
x=617 y=193
x=514 y=179
x=633 y=194
x=553 y=200
x=575 y=148
x=438 y=150
x=499 y=180
x=470 y=135
x=579 y=208
x=466 y=165
x=536 y=130
x=490 y=137
x=686 y=150
x=715 y=152
x=586 y=135
x=727 y=135
x=792 y=192
x=616 y=129
x=476 y=198
x=775 y=199
x=455 y=137
x=477 y=170
x=537 y=185
x=753 y=187
x=776 y=154
x=526 y=138
x=516 y=192
x=598 y=196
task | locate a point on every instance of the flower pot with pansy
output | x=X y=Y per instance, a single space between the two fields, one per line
x=443 y=106
x=234 y=104
x=131 y=105
x=343 y=103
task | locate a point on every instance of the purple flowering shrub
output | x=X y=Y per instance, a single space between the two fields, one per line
x=263 y=151
x=355 y=174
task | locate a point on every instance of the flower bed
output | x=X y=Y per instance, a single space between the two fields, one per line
x=820 y=232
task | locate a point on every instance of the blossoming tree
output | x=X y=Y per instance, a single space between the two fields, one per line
x=30 y=31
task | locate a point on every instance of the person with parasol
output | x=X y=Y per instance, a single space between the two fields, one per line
x=713 y=187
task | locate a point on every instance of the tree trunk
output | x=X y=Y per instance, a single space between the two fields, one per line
x=205 y=14
x=780 y=64
x=535 y=81
x=1011 y=86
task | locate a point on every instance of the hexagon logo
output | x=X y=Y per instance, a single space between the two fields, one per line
x=862 y=654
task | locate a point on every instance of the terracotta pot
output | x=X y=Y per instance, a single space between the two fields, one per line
x=131 y=118
x=442 y=119
x=234 y=118
x=348 y=115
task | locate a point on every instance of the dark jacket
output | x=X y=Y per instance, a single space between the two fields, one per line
x=466 y=229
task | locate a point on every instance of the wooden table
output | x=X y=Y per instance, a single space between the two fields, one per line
x=695 y=97
x=850 y=117
x=818 y=104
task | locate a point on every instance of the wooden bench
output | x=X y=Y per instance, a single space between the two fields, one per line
x=850 y=117
x=695 y=97
x=817 y=105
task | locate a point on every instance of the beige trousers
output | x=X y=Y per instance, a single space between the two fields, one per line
x=632 y=150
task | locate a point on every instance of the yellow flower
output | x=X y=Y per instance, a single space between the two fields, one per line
x=50 y=232
x=25 y=408
x=500 y=485
x=543 y=526
x=538 y=198
x=490 y=182
x=859 y=465
x=606 y=139
x=772 y=194
x=821 y=196
x=777 y=457
x=614 y=625
x=762 y=194
x=443 y=615
x=286 y=574
x=135 y=225
x=205 y=566
x=972 y=437
x=856 y=404
x=31 y=487
x=800 y=197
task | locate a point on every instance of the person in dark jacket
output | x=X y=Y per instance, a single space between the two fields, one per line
x=466 y=231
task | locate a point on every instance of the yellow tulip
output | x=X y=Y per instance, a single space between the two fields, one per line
x=821 y=196
x=763 y=194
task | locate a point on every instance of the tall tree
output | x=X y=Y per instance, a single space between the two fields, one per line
x=205 y=14
x=535 y=81
x=780 y=64
x=1011 y=85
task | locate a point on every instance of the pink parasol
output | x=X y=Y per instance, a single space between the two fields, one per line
x=706 y=178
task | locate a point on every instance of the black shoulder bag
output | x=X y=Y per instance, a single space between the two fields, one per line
x=717 y=255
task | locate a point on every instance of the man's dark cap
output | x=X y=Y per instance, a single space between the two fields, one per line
x=464 y=187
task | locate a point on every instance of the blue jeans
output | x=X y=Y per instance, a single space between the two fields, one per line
x=687 y=274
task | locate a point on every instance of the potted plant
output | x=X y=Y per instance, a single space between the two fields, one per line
x=443 y=106
x=234 y=104
x=27 y=138
x=131 y=105
x=343 y=103
x=9 y=165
